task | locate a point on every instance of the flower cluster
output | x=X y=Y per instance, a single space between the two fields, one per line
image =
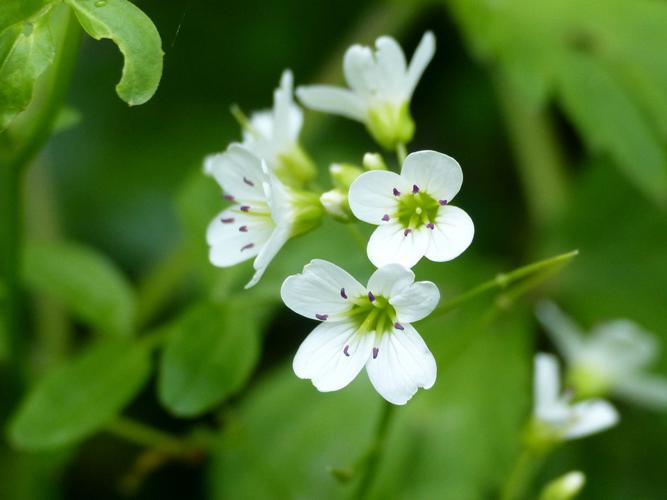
x=266 y=180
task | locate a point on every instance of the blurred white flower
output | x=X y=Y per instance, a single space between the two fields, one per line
x=612 y=358
x=381 y=86
x=413 y=210
x=363 y=326
x=555 y=411
x=273 y=135
x=264 y=213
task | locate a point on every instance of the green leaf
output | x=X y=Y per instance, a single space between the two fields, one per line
x=611 y=122
x=85 y=281
x=18 y=11
x=136 y=37
x=81 y=397
x=210 y=354
x=26 y=50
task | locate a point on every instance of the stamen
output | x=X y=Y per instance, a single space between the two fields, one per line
x=398 y=326
x=430 y=225
x=227 y=221
x=376 y=351
x=442 y=202
x=249 y=182
x=345 y=351
x=396 y=192
x=415 y=188
x=418 y=210
x=247 y=247
x=228 y=197
x=371 y=297
x=385 y=217
x=245 y=208
x=322 y=317
x=406 y=232
x=243 y=229
x=342 y=293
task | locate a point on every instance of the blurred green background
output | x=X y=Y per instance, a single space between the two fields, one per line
x=557 y=112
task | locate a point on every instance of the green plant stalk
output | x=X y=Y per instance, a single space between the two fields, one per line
x=539 y=158
x=503 y=280
x=149 y=437
x=522 y=473
x=374 y=454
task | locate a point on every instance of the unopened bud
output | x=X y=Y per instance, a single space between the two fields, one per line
x=343 y=175
x=374 y=161
x=565 y=487
x=335 y=204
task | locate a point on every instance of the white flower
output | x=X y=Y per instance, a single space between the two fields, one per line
x=613 y=358
x=363 y=326
x=566 y=420
x=273 y=135
x=381 y=85
x=263 y=216
x=413 y=210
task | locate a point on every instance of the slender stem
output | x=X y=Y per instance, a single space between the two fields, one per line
x=401 y=154
x=539 y=158
x=503 y=280
x=359 y=237
x=521 y=475
x=144 y=435
x=372 y=459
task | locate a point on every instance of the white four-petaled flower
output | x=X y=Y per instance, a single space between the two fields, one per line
x=562 y=418
x=381 y=85
x=363 y=326
x=273 y=135
x=613 y=358
x=263 y=216
x=413 y=210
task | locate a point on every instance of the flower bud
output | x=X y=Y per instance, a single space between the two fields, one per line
x=343 y=175
x=335 y=204
x=374 y=161
x=565 y=487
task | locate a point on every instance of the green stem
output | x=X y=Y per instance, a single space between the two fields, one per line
x=359 y=237
x=401 y=154
x=539 y=158
x=146 y=436
x=521 y=475
x=372 y=459
x=503 y=280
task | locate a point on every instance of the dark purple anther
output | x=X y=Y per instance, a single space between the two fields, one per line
x=376 y=351
x=227 y=221
x=371 y=297
x=345 y=351
x=243 y=229
x=398 y=326
x=248 y=182
x=415 y=188
x=228 y=197
x=396 y=192
x=342 y=293
x=442 y=202
x=247 y=247
x=430 y=225
x=385 y=217
x=406 y=232
x=322 y=317
x=245 y=208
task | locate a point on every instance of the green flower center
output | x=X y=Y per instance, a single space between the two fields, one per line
x=417 y=209
x=376 y=315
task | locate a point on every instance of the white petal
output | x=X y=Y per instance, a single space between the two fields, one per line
x=360 y=70
x=563 y=332
x=323 y=357
x=416 y=301
x=280 y=201
x=422 y=56
x=270 y=249
x=371 y=195
x=591 y=416
x=390 y=280
x=434 y=173
x=239 y=173
x=546 y=387
x=452 y=234
x=287 y=118
x=230 y=245
x=403 y=364
x=389 y=245
x=335 y=100
x=646 y=390
x=320 y=289
x=624 y=345
x=391 y=66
